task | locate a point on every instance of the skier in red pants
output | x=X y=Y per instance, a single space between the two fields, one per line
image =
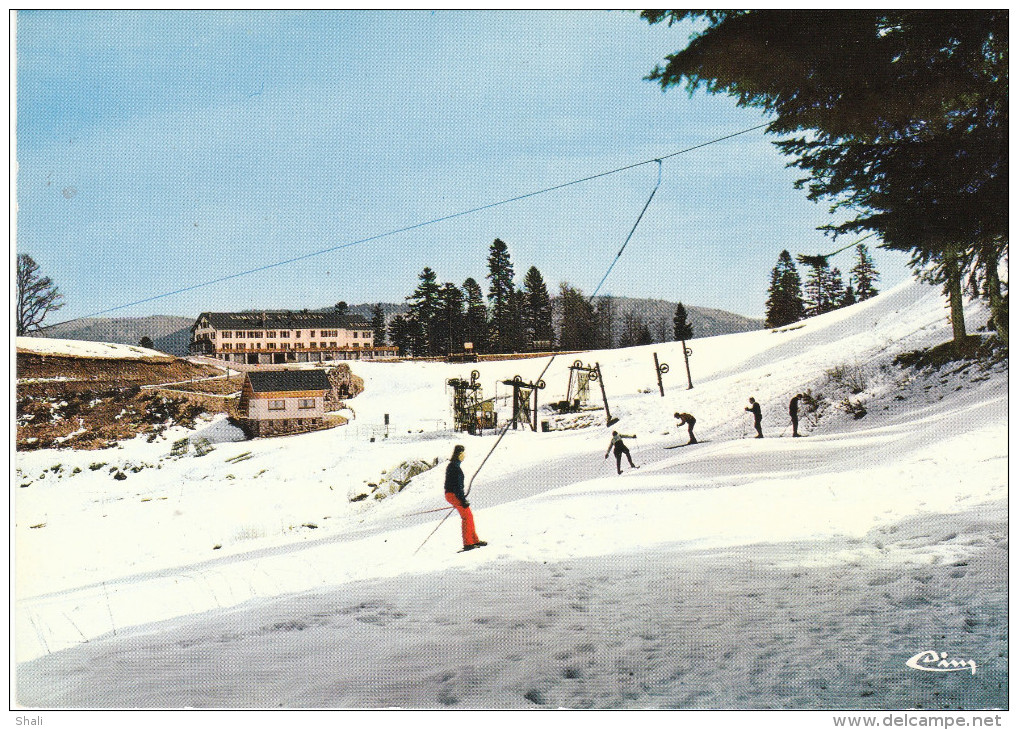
x=454 y=495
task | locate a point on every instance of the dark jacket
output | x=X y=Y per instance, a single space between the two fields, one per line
x=454 y=480
x=755 y=410
x=793 y=407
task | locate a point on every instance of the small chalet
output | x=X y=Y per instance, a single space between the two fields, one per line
x=283 y=402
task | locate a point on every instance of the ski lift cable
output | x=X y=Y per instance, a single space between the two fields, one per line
x=405 y=229
x=589 y=300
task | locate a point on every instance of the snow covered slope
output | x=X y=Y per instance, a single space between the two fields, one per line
x=739 y=572
x=82 y=348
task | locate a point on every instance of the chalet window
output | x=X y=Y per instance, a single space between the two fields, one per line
x=226 y=335
x=333 y=344
x=277 y=405
x=311 y=333
x=306 y=403
x=297 y=333
x=284 y=333
x=356 y=346
x=321 y=344
x=241 y=346
x=227 y=346
x=270 y=334
x=299 y=346
x=272 y=345
x=254 y=335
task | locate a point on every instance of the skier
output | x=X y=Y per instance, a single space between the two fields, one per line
x=689 y=421
x=754 y=408
x=793 y=411
x=454 y=495
x=620 y=449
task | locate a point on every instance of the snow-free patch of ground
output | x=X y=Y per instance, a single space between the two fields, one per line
x=741 y=573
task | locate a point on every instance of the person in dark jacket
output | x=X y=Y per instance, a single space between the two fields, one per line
x=455 y=496
x=793 y=412
x=754 y=408
x=620 y=448
x=689 y=421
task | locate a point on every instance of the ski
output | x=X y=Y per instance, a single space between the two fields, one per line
x=472 y=547
x=679 y=446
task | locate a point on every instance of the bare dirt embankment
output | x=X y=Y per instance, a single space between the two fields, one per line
x=91 y=403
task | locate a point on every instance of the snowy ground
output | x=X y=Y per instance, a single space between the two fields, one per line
x=82 y=348
x=739 y=573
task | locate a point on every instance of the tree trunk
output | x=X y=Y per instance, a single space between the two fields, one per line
x=998 y=304
x=952 y=287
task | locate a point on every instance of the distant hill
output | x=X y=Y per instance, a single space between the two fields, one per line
x=171 y=334
x=658 y=314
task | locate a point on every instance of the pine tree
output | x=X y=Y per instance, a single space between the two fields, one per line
x=500 y=297
x=537 y=313
x=681 y=326
x=834 y=290
x=914 y=142
x=578 y=330
x=449 y=320
x=823 y=290
x=634 y=331
x=784 y=297
x=605 y=316
x=378 y=324
x=401 y=334
x=849 y=298
x=518 y=340
x=424 y=307
x=864 y=273
x=475 y=325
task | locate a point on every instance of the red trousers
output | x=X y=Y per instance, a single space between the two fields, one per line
x=467 y=517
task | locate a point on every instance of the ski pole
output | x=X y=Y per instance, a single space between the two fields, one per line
x=432 y=532
x=427 y=511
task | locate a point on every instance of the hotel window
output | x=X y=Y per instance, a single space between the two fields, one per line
x=321 y=344
x=272 y=345
x=241 y=346
x=227 y=346
x=270 y=334
x=226 y=335
x=306 y=403
x=299 y=346
x=277 y=405
x=311 y=333
x=284 y=333
x=333 y=344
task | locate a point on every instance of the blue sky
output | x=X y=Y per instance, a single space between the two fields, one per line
x=159 y=150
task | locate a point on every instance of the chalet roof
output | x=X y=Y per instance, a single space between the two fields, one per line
x=274 y=381
x=285 y=319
